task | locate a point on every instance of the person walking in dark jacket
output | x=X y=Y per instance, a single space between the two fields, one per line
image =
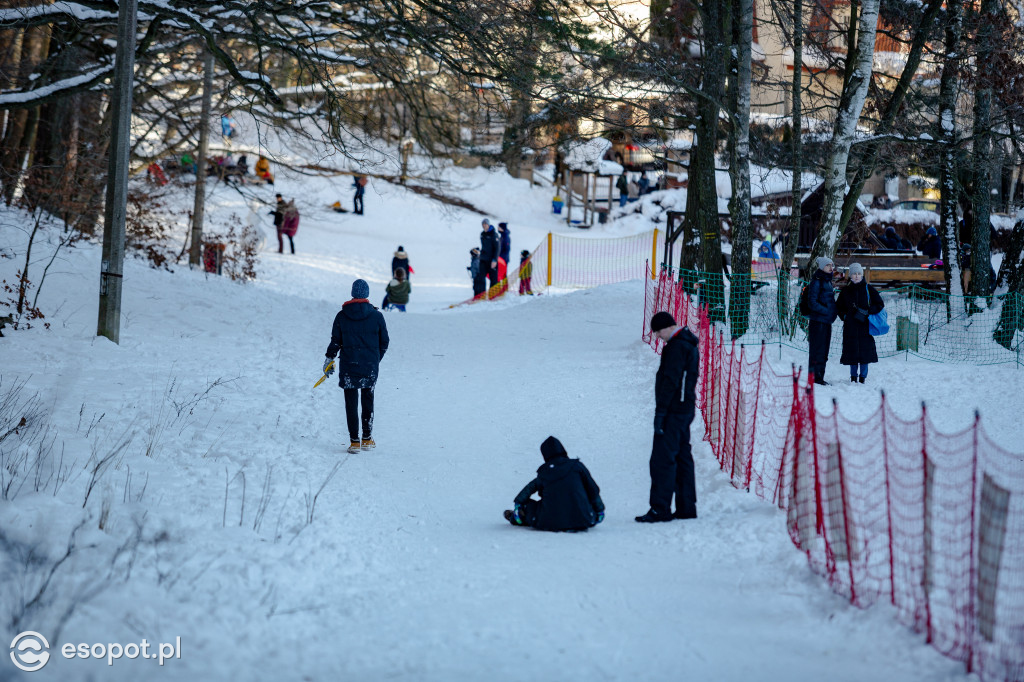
x=622 y=184
x=675 y=404
x=488 y=257
x=359 y=183
x=359 y=338
x=930 y=245
x=821 y=300
x=857 y=302
x=401 y=260
x=569 y=498
x=504 y=242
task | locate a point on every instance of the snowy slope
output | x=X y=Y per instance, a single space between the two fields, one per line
x=407 y=570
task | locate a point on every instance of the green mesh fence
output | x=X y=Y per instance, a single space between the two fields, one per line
x=922 y=322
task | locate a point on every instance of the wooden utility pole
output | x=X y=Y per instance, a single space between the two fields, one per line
x=195 y=253
x=112 y=265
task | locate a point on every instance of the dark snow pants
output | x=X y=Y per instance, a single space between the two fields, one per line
x=357 y=203
x=352 y=396
x=819 y=338
x=480 y=282
x=672 y=467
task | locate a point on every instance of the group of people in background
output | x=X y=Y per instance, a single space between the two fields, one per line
x=631 y=190
x=488 y=264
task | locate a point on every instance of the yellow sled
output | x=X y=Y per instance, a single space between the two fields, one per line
x=330 y=366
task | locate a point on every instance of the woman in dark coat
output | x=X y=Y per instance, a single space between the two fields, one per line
x=858 y=301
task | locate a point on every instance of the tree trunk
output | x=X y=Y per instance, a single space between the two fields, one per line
x=851 y=103
x=739 y=170
x=981 y=256
x=702 y=195
x=199 y=207
x=869 y=157
x=793 y=234
x=948 y=178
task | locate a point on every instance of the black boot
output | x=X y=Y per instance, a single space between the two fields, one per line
x=653 y=517
x=862 y=379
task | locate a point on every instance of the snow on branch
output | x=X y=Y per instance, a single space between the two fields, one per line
x=16 y=99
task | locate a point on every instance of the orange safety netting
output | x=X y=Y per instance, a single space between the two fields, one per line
x=886 y=508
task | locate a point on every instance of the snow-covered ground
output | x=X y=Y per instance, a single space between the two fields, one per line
x=403 y=567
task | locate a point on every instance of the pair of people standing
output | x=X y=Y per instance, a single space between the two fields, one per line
x=286 y=220
x=570 y=499
x=857 y=302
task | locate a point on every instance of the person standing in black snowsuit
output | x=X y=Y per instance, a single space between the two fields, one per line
x=489 y=248
x=504 y=242
x=569 y=498
x=821 y=299
x=856 y=303
x=359 y=338
x=675 y=404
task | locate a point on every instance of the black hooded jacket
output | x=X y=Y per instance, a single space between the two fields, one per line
x=488 y=248
x=361 y=336
x=570 y=499
x=675 y=387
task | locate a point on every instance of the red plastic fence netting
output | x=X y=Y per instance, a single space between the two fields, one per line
x=887 y=508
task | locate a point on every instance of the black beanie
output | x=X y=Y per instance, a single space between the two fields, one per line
x=661 y=321
x=552 y=449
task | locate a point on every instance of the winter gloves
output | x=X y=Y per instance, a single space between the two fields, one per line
x=328 y=366
x=659 y=424
x=600 y=517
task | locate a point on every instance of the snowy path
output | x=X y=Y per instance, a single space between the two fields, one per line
x=408 y=570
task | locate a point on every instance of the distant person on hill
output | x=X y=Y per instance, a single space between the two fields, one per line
x=488 y=257
x=675 y=404
x=643 y=183
x=856 y=303
x=242 y=165
x=263 y=170
x=622 y=184
x=398 y=290
x=525 y=273
x=474 y=268
x=278 y=214
x=504 y=242
x=290 y=225
x=359 y=182
x=821 y=300
x=359 y=337
x=401 y=260
x=569 y=498
x=228 y=128
x=930 y=245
